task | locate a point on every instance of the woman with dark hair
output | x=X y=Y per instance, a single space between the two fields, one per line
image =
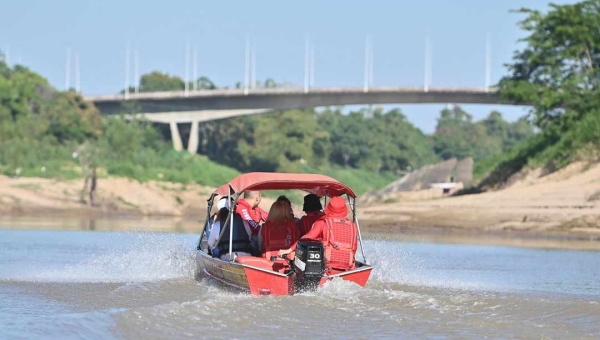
x=283 y=198
x=280 y=230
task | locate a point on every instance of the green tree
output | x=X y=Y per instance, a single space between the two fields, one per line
x=557 y=70
x=452 y=137
x=157 y=81
x=285 y=141
x=204 y=83
x=457 y=135
x=517 y=132
x=377 y=142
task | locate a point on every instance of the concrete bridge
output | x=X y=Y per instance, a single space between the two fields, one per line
x=207 y=105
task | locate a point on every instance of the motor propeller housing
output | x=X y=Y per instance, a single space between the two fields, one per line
x=308 y=264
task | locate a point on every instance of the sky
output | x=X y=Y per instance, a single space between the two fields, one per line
x=38 y=34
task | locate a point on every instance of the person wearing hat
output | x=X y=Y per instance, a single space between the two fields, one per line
x=338 y=234
x=313 y=209
x=214 y=221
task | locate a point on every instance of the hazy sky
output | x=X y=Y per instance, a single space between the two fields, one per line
x=37 y=33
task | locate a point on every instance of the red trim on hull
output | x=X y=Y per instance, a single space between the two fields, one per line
x=359 y=276
x=262 y=283
x=260 y=279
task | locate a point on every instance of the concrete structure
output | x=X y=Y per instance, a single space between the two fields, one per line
x=291 y=98
x=442 y=175
x=206 y=105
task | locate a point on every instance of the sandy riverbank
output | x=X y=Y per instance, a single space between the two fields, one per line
x=36 y=196
x=563 y=203
x=558 y=210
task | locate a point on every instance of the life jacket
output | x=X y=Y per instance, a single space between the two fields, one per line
x=306 y=222
x=278 y=237
x=340 y=241
x=253 y=216
x=241 y=239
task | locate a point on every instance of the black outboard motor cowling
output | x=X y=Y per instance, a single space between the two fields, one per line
x=308 y=264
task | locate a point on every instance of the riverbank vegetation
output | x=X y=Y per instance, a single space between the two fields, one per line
x=557 y=72
x=49 y=133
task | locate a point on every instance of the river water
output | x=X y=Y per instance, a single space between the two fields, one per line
x=138 y=285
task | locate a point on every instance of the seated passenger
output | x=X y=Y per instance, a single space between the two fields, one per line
x=312 y=207
x=241 y=245
x=283 y=198
x=279 y=231
x=339 y=236
x=214 y=218
x=247 y=207
x=215 y=230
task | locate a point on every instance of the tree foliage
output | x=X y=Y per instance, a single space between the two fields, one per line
x=161 y=82
x=557 y=73
x=457 y=135
x=42 y=126
x=291 y=140
x=28 y=102
x=557 y=70
x=157 y=81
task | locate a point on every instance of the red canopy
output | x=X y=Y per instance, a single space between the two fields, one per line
x=319 y=185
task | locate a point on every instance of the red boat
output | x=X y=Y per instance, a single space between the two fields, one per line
x=279 y=276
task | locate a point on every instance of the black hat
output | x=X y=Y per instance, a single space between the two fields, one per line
x=312 y=202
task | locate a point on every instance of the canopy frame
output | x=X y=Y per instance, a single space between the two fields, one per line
x=319 y=185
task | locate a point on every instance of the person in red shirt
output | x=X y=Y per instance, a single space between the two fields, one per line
x=312 y=207
x=279 y=231
x=247 y=207
x=338 y=234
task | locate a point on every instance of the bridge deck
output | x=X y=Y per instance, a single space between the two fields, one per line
x=290 y=98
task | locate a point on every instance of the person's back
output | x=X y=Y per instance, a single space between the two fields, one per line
x=312 y=207
x=280 y=230
x=338 y=234
x=240 y=242
x=340 y=241
x=307 y=221
x=278 y=236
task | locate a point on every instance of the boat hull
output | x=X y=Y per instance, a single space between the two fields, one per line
x=258 y=277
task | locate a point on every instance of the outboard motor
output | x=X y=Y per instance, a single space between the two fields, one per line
x=308 y=264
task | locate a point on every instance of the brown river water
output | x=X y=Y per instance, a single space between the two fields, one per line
x=140 y=285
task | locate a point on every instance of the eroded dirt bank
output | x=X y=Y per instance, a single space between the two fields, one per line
x=557 y=210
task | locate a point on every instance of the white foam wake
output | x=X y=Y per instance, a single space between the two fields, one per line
x=146 y=257
x=400 y=263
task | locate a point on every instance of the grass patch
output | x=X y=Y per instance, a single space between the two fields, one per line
x=361 y=181
x=172 y=166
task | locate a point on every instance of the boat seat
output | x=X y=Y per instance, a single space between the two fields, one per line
x=278 y=266
x=268 y=254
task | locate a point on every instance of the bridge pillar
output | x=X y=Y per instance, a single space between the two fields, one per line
x=194 y=138
x=177 y=143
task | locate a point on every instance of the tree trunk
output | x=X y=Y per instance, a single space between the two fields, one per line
x=93 y=187
x=83 y=191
